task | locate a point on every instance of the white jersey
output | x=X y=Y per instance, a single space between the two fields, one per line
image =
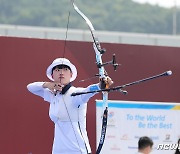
x=69 y=116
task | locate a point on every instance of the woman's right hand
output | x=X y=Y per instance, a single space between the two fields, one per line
x=54 y=87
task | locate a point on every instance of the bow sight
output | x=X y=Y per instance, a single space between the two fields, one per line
x=102 y=51
x=113 y=62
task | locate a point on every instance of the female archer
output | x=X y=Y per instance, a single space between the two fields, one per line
x=67 y=112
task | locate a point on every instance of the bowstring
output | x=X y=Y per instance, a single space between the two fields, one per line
x=65 y=44
x=66 y=35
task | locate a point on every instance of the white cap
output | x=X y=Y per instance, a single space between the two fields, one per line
x=61 y=61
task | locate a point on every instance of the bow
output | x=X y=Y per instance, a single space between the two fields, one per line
x=102 y=74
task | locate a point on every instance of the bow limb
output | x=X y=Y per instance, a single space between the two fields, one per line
x=83 y=16
x=90 y=25
x=102 y=73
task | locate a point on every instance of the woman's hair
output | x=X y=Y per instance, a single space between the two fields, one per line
x=60 y=67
